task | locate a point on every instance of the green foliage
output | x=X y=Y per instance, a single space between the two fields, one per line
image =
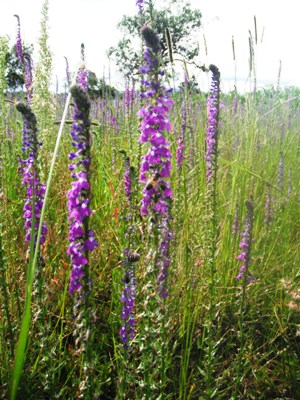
x=14 y=68
x=183 y=23
x=98 y=88
x=249 y=338
x=3 y=82
x=42 y=103
x=254 y=355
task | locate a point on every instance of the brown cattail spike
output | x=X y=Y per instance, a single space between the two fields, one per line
x=169 y=44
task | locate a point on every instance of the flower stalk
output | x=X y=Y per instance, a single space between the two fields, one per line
x=35 y=189
x=212 y=137
x=157 y=194
x=245 y=245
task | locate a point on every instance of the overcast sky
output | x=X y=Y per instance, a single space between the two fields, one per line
x=93 y=22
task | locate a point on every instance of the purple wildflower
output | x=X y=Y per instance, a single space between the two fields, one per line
x=127 y=179
x=19 y=47
x=213 y=125
x=28 y=167
x=245 y=245
x=28 y=76
x=128 y=297
x=25 y=61
x=82 y=239
x=82 y=76
x=140 y=4
x=156 y=165
x=129 y=292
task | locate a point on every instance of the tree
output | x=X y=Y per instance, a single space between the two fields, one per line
x=14 y=68
x=177 y=16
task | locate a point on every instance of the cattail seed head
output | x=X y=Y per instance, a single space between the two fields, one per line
x=169 y=44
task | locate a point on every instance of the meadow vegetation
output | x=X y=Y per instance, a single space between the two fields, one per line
x=198 y=331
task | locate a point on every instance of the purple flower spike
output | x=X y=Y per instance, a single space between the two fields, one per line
x=28 y=76
x=127 y=178
x=129 y=96
x=212 y=132
x=28 y=167
x=155 y=121
x=19 y=46
x=25 y=61
x=245 y=245
x=82 y=78
x=128 y=298
x=140 y=4
x=82 y=239
x=127 y=331
x=156 y=164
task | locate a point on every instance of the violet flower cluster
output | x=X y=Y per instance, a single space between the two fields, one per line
x=245 y=244
x=156 y=164
x=82 y=239
x=140 y=4
x=82 y=78
x=35 y=191
x=28 y=76
x=129 y=291
x=212 y=132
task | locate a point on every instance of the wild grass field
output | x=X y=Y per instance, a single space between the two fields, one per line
x=193 y=296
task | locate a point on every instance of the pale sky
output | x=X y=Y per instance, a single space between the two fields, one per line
x=93 y=22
